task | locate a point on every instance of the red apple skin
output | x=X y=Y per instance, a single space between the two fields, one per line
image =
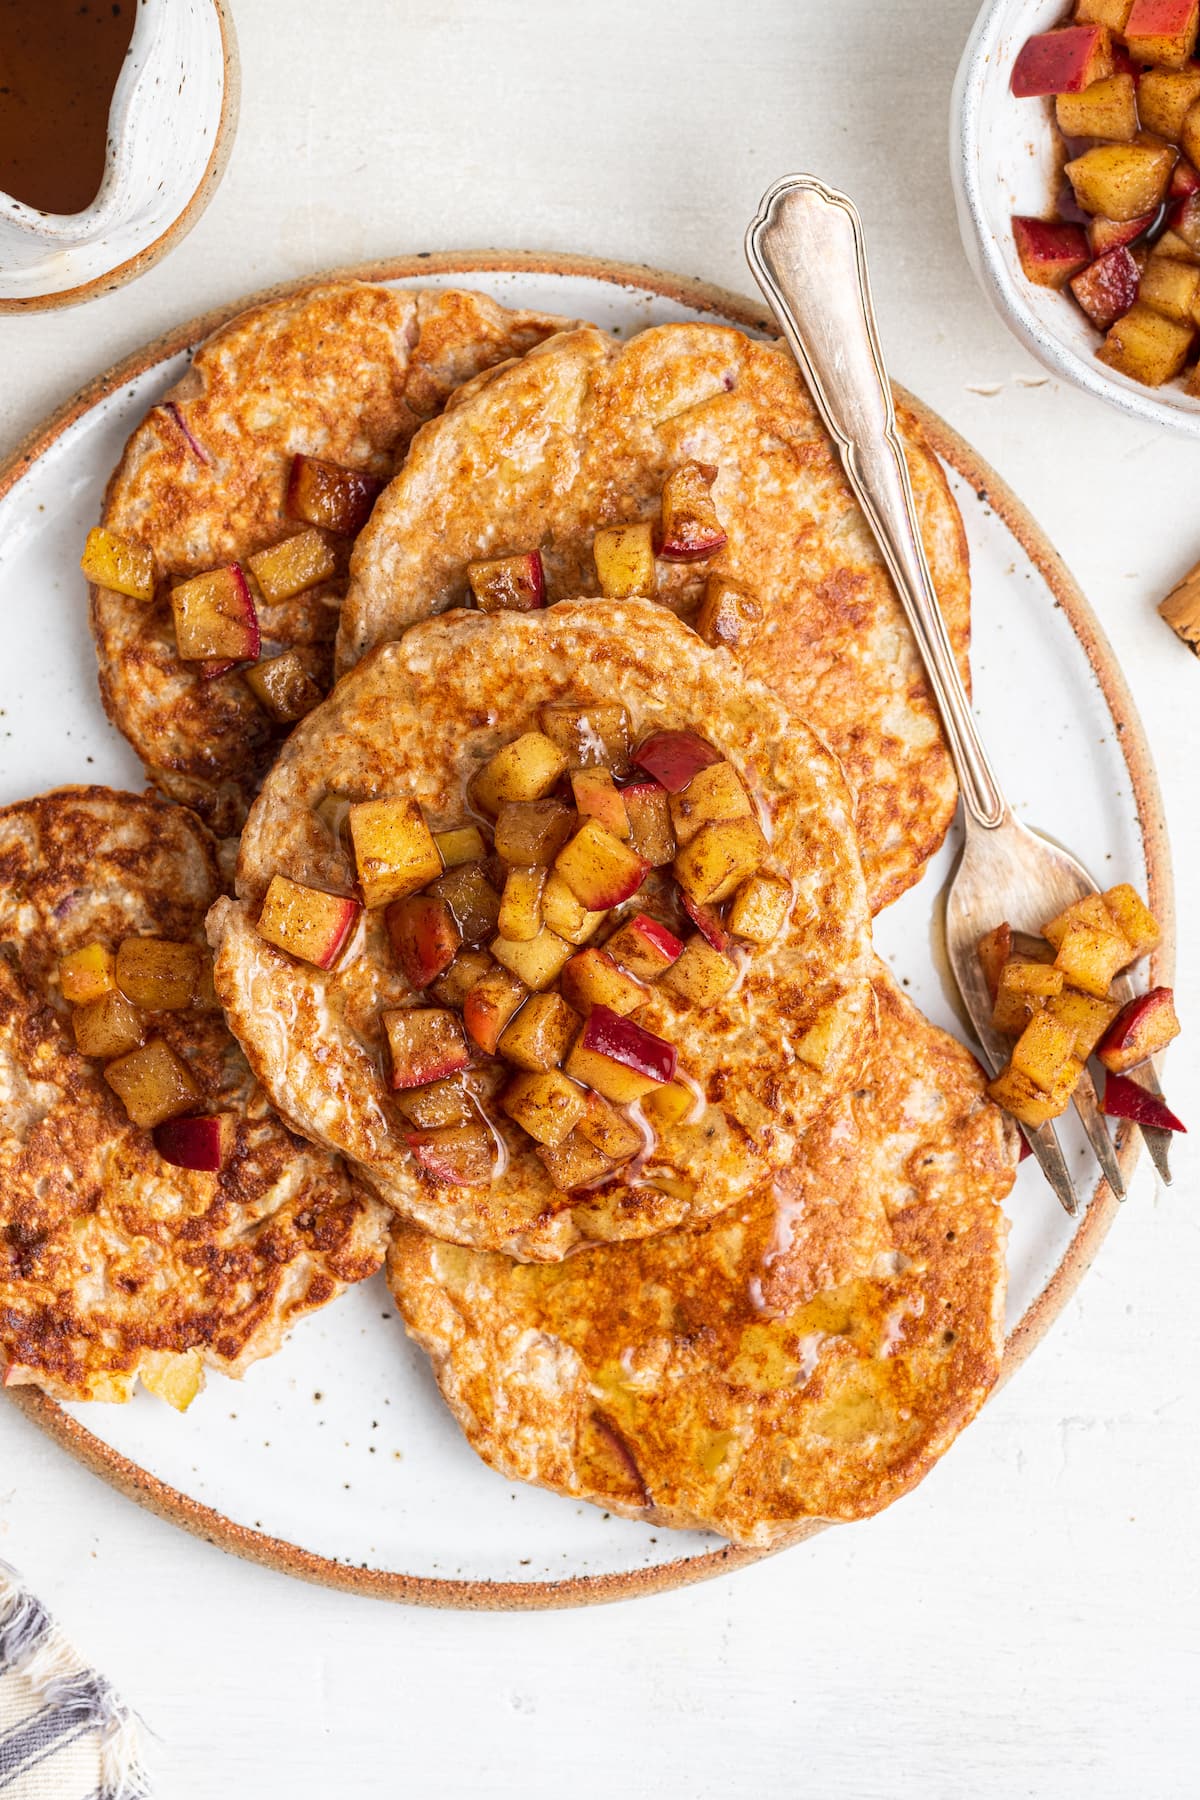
x=1159 y=18
x=1108 y=288
x=203 y=1143
x=673 y=757
x=432 y=1069
x=696 y=549
x=600 y=899
x=1140 y=1030
x=706 y=921
x=1105 y=235
x=424 y=938
x=610 y=1035
x=1050 y=252
x=1060 y=62
x=459 y=1155
x=1184 y=180
x=1126 y=1099
x=193 y=444
x=668 y=946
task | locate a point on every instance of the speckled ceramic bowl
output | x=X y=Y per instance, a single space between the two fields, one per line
x=170 y=129
x=1002 y=161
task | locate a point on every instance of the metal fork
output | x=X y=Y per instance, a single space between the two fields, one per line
x=806 y=249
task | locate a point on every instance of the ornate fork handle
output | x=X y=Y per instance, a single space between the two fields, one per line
x=806 y=249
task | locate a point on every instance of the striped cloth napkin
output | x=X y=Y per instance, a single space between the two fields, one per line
x=64 y=1733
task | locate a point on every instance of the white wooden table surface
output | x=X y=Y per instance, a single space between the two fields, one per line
x=1027 y=1623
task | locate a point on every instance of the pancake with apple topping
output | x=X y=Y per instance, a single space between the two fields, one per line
x=156 y=1217
x=689 y=464
x=807 y=1355
x=553 y=925
x=242 y=491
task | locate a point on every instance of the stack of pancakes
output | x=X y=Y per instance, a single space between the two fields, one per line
x=799 y=1320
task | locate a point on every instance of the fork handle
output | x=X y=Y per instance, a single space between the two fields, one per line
x=806 y=249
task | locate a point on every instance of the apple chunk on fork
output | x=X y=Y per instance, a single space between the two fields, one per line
x=215 y=617
x=1140 y=1030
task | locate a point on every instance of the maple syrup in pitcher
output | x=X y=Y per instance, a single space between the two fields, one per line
x=59 y=63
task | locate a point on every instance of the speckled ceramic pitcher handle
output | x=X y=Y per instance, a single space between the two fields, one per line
x=806 y=250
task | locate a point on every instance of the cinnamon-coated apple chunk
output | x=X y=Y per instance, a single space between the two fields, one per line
x=624 y=558
x=598 y=797
x=537 y=961
x=541 y=1033
x=621 y=1060
x=532 y=832
x=1043 y=1050
x=87 y=973
x=1182 y=237
x=668 y=1105
x=1140 y=1030
x=335 y=498
x=644 y=946
x=471 y=898
x=1162 y=31
x=108 y=1026
x=442 y=1103
x=759 y=909
x=1104 y=235
x=599 y=869
x=1088 y=1017
x=1146 y=346
x=594 y=978
x=508 y=583
x=153 y=1084
x=545 y=1104
x=994 y=949
x=1125 y=1098
x=307 y=922
x=283 y=688
x=567 y=916
x=1107 y=288
x=609 y=1130
x=719 y=858
x=1089 y=958
x=203 y=1142
x=702 y=976
x=394 y=851
x=462 y=844
x=157 y=975
x=711 y=796
x=468 y=967
x=595 y=735
x=1134 y=920
x=1164 y=97
x=672 y=758
x=1032 y=1105
x=424 y=937
x=1170 y=287
x=1062 y=62
x=575 y=1163
x=1108 y=110
x=1119 y=181
x=458 y=1155
x=118 y=563
x=294 y=565
x=707 y=920
x=1092 y=909
x=1022 y=988
x=426 y=1044
x=728 y=614
x=491 y=1003
x=1112 y=13
x=648 y=809
x=690 y=528
x=521 y=904
x=526 y=769
x=215 y=617
x=1050 y=252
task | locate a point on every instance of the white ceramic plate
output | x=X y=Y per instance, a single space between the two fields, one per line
x=335 y=1460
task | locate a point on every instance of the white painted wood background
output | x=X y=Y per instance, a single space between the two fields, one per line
x=1027 y=1623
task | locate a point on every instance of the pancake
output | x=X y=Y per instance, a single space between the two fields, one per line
x=417 y=718
x=347 y=372
x=806 y=1356
x=583 y=432
x=113 y=1263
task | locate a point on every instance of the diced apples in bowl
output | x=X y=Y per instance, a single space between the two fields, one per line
x=215 y=617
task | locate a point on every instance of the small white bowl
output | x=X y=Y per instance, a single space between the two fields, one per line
x=170 y=128
x=1003 y=161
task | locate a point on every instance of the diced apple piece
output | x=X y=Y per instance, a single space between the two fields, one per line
x=593 y=978
x=1147 y=347
x=1028 y=1102
x=1169 y=287
x=541 y=1033
x=152 y=1083
x=1140 y=1030
x=598 y=797
x=204 y=1142
x=728 y=614
x=394 y=851
x=176 y=1376
x=1162 y=31
x=644 y=946
x=468 y=967
x=1089 y=958
x=118 y=563
x=1185 y=179
x=599 y=869
x=1164 y=97
x=521 y=904
x=1043 y=1050
x=107 y=1027
x=157 y=975
x=1183 y=221
x=526 y=769
x=674 y=757
x=1127 y=1099
x=668 y=1105
x=426 y=1044
x=590 y=737
x=291 y=567
x=719 y=858
x=1112 y=13
x=490 y=1004
x=648 y=809
x=509 y=583
x=215 y=617
x=1022 y=989
x=690 y=528
x=1107 y=288
x=1062 y=62
x=1134 y=920
x=471 y=898
x=712 y=795
x=1050 y=252
x=707 y=921
x=530 y=833
x=1092 y=909
x=1088 y=1017
x=545 y=1104
x=458 y=1155
x=624 y=558
x=1106 y=235
x=87 y=974
x=702 y=976
x=994 y=949
x=537 y=961
x=284 y=688
x=464 y=844
x=566 y=915
x=621 y=1060
x=609 y=1130
x=1107 y=110
x=1120 y=181
x=440 y=1104
x=575 y=1163
x=326 y=494
x=424 y=937
x=307 y=922
x=759 y=909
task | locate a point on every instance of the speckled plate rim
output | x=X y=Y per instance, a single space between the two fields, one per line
x=289 y=1559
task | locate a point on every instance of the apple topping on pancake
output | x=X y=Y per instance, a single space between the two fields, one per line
x=219 y=566
x=523 y=1039
x=807 y=1355
x=156 y=1216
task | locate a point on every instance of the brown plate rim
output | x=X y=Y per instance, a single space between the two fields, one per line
x=275 y=1553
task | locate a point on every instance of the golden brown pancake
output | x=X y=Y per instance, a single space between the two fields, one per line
x=806 y=1355
x=583 y=432
x=416 y=719
x=346 y=372
x=113 y=1262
